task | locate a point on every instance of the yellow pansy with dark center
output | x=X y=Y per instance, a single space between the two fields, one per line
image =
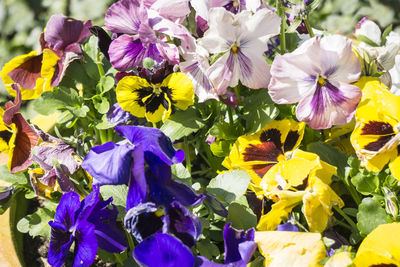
x=258 y=152
x=376 y=137
x=154 y=101
x=34 y=72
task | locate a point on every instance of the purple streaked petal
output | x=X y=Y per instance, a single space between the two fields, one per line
x=153 y=142
x=125 y=17
x=169 y=52
x=60 y=243
x=324 y=113
x=222 y=73
x=254 y=70
x=62 y=31
x=66 y=209
x=63 y=180
x=174 y=10
x=288 y=227
x=137 y=184
x=239 y=245
x=163 y=250
x=109 y=163
x=183 y=224
x=86 y=244
x=128 y=52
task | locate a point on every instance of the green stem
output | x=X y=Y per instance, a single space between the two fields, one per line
x=99 y=65
x=187 y=155
x=344 y=225
x=354 y=194
x=130 y=241
x=230 y=115
x=237 y=92
x=309 y=29
x=347 y=218
x=154 y=125
x=118 y=258
x=282 y=38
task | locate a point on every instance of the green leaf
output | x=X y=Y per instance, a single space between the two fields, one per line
x=65 y=117
x=365 y=184
x=370 y=215
x=386 y=33
x=180 y=172
x=105 y=84
x=101 y=104
x=79 y=111
x=104 y=123
x=119 y=194
x=182 y=123
x=259 y=110
x=330 y=155
x=241 y=216
x=17 y=178
x=207 y=248
x=366 y=40
x=37 y=223
x=226 y=131
x=229 y=185
x=221 y=148
x=350 y=211
x=48 y=102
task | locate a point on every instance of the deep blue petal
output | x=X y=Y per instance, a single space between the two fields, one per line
x=86 y=244
x=110 y=238
x=137 y=184
x=60 y=243
x=142 y=221
x=66 y=209
x=163 y=250
x=239 y=245
x=109 y=163
x=88 y=204
x=156 y=145
x=165 y=193
x=183 y=224
x=201 y=261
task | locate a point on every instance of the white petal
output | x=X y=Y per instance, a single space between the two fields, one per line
x=263 y=24
x=369 y=29
x=395 y=74
x=224 y=73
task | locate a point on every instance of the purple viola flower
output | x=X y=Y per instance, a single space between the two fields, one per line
x=142 y=34
x=287 y=227
x=86 y=223
x=123 y=162
x=117 y=116
x=239 y=248
x=317 y=75
x=163 y=250
x=57 y=160
x=63 y=36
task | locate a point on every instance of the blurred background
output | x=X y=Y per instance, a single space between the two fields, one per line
x=22 y=21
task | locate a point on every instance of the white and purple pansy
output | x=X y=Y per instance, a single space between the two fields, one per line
x=317 y=76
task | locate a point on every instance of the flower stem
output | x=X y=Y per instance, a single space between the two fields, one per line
x=308 y=26
x=230 y=116
x=99 y=65
x=354 y=194
x=344 y=225
x=282 y=38
x=187 y=155
x=237 y=92
x=118 y=258
x=347 y=218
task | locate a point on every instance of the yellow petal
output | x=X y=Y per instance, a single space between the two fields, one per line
x=381 y=246
x=290 y=248
x=161 y=113
x=341 y=259
x=127 y=92
x=181 y=88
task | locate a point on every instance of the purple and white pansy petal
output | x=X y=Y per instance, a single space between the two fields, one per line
x=125 y=16
x=174 y=10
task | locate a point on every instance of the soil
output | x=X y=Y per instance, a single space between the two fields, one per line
x=36 y=249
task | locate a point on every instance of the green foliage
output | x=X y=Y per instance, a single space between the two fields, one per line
x=118 y=193
x=370 y=215
x=365 y=184
x=16 y=178
x=240 y=215
x=229 y=186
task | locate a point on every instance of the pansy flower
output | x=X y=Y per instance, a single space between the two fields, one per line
x=154 y=101
x=241 y=39
x=381 y=247
x=17 y=138
x=38 y=71
x=258 y=152
x=317 y=76
x=290 y=248
x=88 y=224
x=376 y=137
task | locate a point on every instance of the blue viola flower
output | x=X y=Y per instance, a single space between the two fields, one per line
x=163 y=250
x=89 y=224
x=123 y=162
x=289 y=227
x=239 y=248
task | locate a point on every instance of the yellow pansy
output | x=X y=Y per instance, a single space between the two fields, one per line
x=381 y=247
x=282 y=248
x=340 y=259
x=258 y=152
x=154 y=101
x=376 y=137
x=39 y=187
x=33 y=72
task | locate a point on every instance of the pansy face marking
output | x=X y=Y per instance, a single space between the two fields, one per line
x=257 y=153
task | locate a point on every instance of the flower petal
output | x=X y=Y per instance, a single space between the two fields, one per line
x=239 y=245
x=86 y=244
x=181 y=89
x=163 y=250
x=66 y=209
x=60 y=243
x=125 y=17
